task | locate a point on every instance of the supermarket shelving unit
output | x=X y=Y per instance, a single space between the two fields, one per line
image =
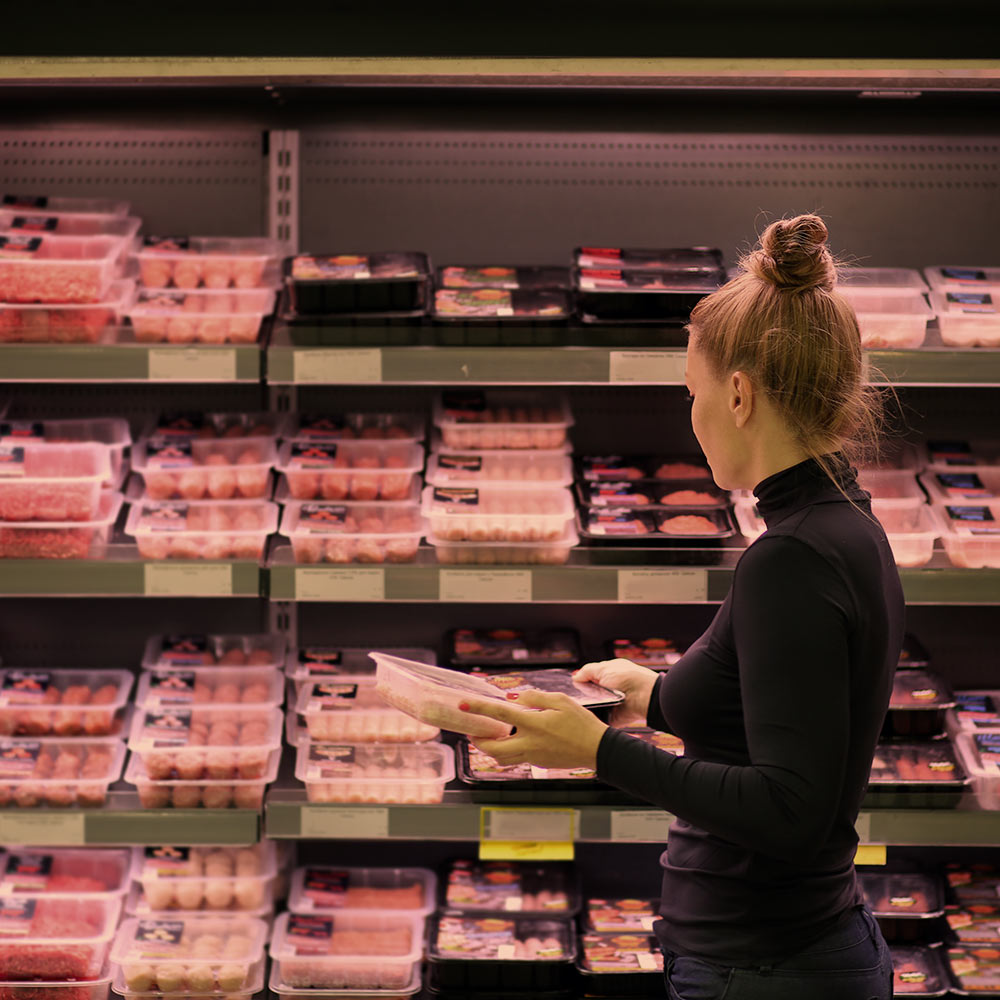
x=472 y=159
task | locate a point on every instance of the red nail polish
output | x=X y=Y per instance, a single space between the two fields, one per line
x=512 y=695
x=463 y=706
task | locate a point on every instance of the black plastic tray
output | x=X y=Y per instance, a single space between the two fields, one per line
x=913 y=654
x=664 y=259
x=514 y=648
x=526 y=880
x=910 y=715
x=918 y=972
x=907 y=905
x=503 y=277
x=888 y=788
x=646 y=494
x=618 y=983
x=392 y=293
x=719 y=516
x=643 y=295
x=504 y=306
x=618 y=467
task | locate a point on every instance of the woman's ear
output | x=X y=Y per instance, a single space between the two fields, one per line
x=741 y=398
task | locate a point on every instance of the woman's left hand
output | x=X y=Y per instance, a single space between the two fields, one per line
x=553 y=730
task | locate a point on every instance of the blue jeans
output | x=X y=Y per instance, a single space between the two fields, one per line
x=851 y=962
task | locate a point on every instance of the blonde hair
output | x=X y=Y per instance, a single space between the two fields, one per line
x=782 y=323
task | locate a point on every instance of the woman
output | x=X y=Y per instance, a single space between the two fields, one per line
x=780 y=702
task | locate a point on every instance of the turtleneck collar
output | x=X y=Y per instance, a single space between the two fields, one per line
x=807 y=483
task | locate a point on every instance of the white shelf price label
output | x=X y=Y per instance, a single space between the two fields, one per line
x=43 y=828
x=326 y=583
x=516 y=834
x=662 y=586
x=484 y=585
x=192 y=364
x=331 y=365
x=639 y=826
x=646 y=367
x=188 y=579
x=344 y=823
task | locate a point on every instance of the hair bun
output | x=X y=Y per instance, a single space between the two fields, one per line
x=793 y=255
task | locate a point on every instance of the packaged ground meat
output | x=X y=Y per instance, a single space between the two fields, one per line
x=78 y=323
x=362 y=283
x=52 y=772
x=58 y=269
x=62 y=702
x=323 y=889
x=613 y=468
x=650 y=493
x=111 y=432
x=473 y=419
x=43 y=481
x=59 y=989
x=683 y=526
x=62 y=539
x=506 y=647
x=67 y=871
x=199 y=650
x=209 y=262
x=511 y=887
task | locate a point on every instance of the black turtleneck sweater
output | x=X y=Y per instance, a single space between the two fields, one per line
x=779 y=705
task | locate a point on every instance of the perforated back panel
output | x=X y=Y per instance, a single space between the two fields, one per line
x=531 y=196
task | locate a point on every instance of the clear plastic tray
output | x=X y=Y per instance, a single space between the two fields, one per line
x=67 y=871
x=208 y=317
x=51 y=482
x=980 y=755
x=942 y=455
x=216 y=878
x=911 y=532
x=253 y=984
x=918 y=971
x=69 y=223
x=207 y=261
x=347 y=950
x=59 y=938
x=350 y=470
x=856 y=281
x=512 y=648
x=502 y=419
x=113 y=432
x=201 y=529
x=183 y=651
x=137 y=905
x=62 y=204
x=887 y=319
x=67 y=269
x=198 y=954
x=971 y=533
x=238 y=793
x=61 y=539
x=621 y=916
x=59 y=989
x=277 y=985
x=210 y=426
x=52 y=772
x=204 y=469
x=352 y=532
x=497 y=514
x=979 y=709
x=233 y=687
x=206 y=742
x=892 y=488
x=357 y=426
x=55 y=702
x=521 y=469
x=961 y=276
x=323 y=889
x=353 y=772
x=511 y=887
x=957 y=485
x=79 y=323
x=323 y=663
x=337 y=711
x=554 y=553
x=968 y=318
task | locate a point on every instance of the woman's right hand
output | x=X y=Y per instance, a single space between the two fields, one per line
x=635 y=682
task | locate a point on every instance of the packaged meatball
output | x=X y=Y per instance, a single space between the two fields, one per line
x=203 y=316
x=137 y=904
x=500 y=952
x=620 y=963
x=505 y=647
x=919 y=775
x=358 y=283
x=620 y=916
x=502 y=277
x=76 y=323
x=214 y=426
x=329 y=889
x=655 y=653
x=232 y=687
x=182 y=651
x=67 y=871
x=496 y=514
x=56 y=702
x=907 y=905
x=519 y=469
x=208 y=262
x=253 y=985
x=511 y=887
x=918 y=971
x=357 y=426
x=323 y=663
x=48 y=481
x=45 y=268
x=165 y=529
x=347 y=951
x=473 y=419
x=918 y=704
x=58 y=772
x=352 y=711
x=203 y=954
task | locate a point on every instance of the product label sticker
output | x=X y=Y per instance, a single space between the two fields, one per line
x=164 y=518
x=616 y=521
x=16 y=916
x=599 y=256
x=27 y=872
x=476 y=302
x=328 y=760
x=19 y=245
x=25 y=201
x=157 y=937
x=170 y=453
x=317 y=518
x=309 y=935
x=324 y=887
x=322 y=427
x=653 y=652
x=182 y=649
x=963 y=273
x=971 y=302
x=340 y=267
x=20 y=686
x=168 y=728
x=306 y=455
x=461 y=463
x=609 y=494
x=166 y=244
x=330 y=696
x=456 y=497
x=22 y=430
x=11 y=462
x=464 y=404
x=35 y=223
x=976 y=520
x=600 y=467
x=172 y=687
x=321 y=660
x=988 y=745
x=18 y=757
x=964 y=485
x=168 y=862
x=180 y=425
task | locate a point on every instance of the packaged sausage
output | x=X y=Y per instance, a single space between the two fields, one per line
x=323 y=889
x=621 y=916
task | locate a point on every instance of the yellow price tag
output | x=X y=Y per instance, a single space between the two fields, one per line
x=870 y=854
x=516 y=834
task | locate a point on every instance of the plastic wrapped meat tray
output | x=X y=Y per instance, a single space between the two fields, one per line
x=352 y=772
x=918 y=972
x=472 y=419
x=234 y=687
x=183 y=651
x=491 y=316
x=60 y=205
x=468 y=952
x=352 y=712
x=358 y=426
x=112 y=432
x=42 y=481
x=916 y=775
x=539 y=890
x=51 y=772
x=278 y=986
x=198 y=954
x=620 y=964
x=137 y=905
x=253 y=984
x=651 y=493
x=433 y=694
x=78 y=323
x=358 y=283
x=971 y=533
x=210 y=262
x=598 y=468
x=165 y=529
x=974 y=710
x=504 y=647
x=69 y=223
x=59 y=989
x=209 y=878
x=655 y=653
x=327 y=889
x=891 y=320
x=54 y=269
x=977 y=485
x=877 y=280
x=980 y=754
x=678 y=527
x=892 y=488
x=905 y=904
x=521 y=469
x=211 y=426
x=621 y=916
x=350 y=950
x=63 y=702
x=350 y=469
x=551 y=553
x=206 y=793
x=57 y=938
x=968 y=318
x=502 y=277
x=670 y=259
x=918 y=704
x=496 y=514
x=324 y=663
x=67 y=872
x=353 y=532
x=177 y=316
x=61 y=539
x=611 y=295
x=489 y=781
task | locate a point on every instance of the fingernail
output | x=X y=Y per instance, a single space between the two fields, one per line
x=511 y=695
x=464 y=706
